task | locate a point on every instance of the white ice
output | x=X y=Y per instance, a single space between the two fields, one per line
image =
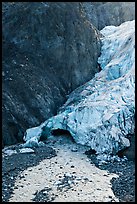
x=100 y=114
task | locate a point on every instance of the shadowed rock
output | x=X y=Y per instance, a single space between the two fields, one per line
x=103 y=14
x=49 y=49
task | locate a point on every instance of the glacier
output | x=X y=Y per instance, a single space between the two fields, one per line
x=101 y=113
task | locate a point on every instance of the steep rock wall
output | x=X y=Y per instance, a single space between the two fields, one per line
x=49 y=49
x=103 y=14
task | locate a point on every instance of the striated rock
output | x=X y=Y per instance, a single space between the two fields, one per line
x=49 y=49
x=102 y=14
x=100 y=114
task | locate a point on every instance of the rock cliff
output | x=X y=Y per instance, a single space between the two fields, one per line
x=49 y=49
x=102 y=14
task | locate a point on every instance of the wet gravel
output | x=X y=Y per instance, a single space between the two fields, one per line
x=16 y=163
x=123 y=186
x=44 y=195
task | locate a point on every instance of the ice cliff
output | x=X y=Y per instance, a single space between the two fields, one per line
x=100 y=113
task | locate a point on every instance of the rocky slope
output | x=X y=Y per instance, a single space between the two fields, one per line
x=102 y=14
x=101 y=113
x=49 y=49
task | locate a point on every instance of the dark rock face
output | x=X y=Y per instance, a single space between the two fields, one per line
x=130 y=151
x=102 y=14
x=49 y=49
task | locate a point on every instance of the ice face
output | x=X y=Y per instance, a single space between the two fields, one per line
x=100 y=114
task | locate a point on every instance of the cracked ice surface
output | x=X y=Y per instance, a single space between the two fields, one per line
x=100 y=114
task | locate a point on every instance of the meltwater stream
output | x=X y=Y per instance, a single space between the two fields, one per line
x=68 y=177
